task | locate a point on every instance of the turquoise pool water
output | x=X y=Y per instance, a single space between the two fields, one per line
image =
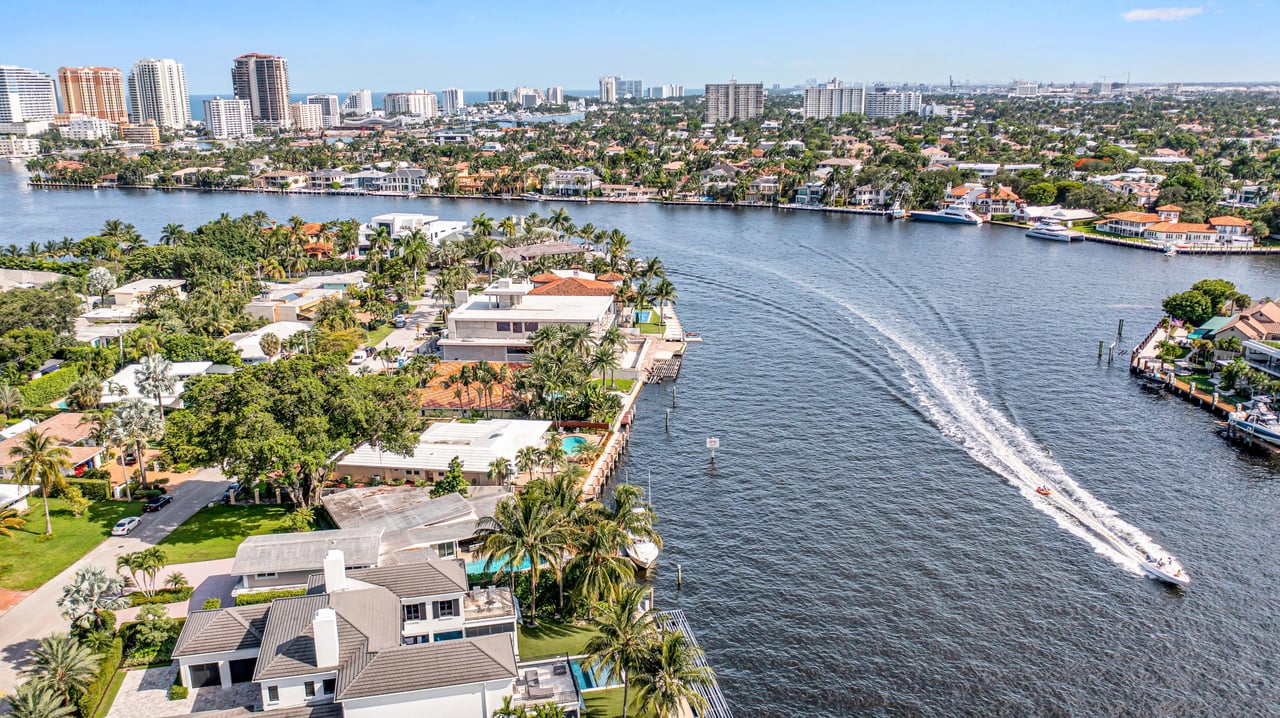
x=643 y=317
x=589 y=679
x=478 y=566
x=572 y=444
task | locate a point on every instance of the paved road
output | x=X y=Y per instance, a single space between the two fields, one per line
x=421 y=314
x=38 y=615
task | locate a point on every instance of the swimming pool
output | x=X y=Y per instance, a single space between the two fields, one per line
x=589 y=679
x=572 y=444
x=643 y=317
x=474 y=567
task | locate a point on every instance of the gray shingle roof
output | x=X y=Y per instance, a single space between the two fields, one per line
x=232 y=629
x=324 y=710
x=431 y=578
x=368 y=619
x=280 y=553
x=431 y=665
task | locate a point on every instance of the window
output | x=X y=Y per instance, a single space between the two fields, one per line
x=273 y=694
x=446 y=550
x=309 y=689
x=328 y=686
x=531 y=326
x=448 y=636
x=517 y=327
x=504 y=326
x=413 y=612
x=265 y=575
x=446 y=609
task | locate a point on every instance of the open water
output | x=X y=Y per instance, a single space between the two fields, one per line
x=887 y=396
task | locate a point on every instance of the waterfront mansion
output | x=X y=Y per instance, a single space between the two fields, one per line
x=1164 y=227
x=495 y=324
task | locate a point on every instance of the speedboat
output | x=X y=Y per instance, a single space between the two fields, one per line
x=1172 y=251
x=1043 y=490
x=531 y=196
x=1256 y=419
x=1166 y=569
x=958 y=213
x=692 y=337
x=1051 y=230
x=643 y=553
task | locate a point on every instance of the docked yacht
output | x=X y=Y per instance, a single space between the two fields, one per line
x=958 y=213
x=643 y=553
x=895 y=212
x=1166 y=569
x=1256 y=419
x=1053 y=230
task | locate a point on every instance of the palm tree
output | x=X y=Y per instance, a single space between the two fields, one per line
x=38 y=699
x=10 y=521
x=499 y=470
x=664 y=294
x=135 y=423
x=522 y=529
x=527 y=459
x=482 y=225
x=91 y=593
x=10 y=400
x=148 y=563
x=40 y=462
x=599 y=571
x=669 y=675
x=633 y=515
x=155 y=378
x=270 y=345
x=416 y=253
x=604 y=361
x=85 y=392
x=172 y=234
x=559 y=219
x=627 y=633
x=61 y=663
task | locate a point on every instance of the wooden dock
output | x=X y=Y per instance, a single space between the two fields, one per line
x=664 y=369
x=717 y=707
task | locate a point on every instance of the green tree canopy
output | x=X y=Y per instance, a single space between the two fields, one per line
x=1190 y=306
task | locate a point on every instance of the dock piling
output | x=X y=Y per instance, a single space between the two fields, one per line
x=1101 y=343
x=679 y=576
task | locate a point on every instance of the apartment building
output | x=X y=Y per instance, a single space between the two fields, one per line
x=608 y=90
x=734 y=101
x=832 y=100
x=94 y=91
x=228 y=119
x=451 y=101
x=358 y=103
x=306 y=117
x=419 y=103
x=27 y=101
x=884 y=102
x=158 y=94
x=330 y=109
x=263 y=80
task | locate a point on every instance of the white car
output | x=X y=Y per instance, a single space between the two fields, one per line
x=125 y=525
x=358 y=357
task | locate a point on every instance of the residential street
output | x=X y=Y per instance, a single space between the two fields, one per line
x=421 y=314
x=38 y=615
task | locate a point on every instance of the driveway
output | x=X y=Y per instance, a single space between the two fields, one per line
x=421 y=312
x=209 y=579
x=38 y=616
x=144 y=693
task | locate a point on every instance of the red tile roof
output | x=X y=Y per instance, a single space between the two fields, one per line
x=544 y=278
x=575 y=287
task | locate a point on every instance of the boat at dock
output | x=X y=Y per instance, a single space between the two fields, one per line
x=1255 y=419
x=958 y=213
x=644 y=554
x=1052 y=230
x=895 y=212
x=692 y=337
x=531 y=196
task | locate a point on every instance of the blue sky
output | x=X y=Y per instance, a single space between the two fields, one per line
x=402 y=44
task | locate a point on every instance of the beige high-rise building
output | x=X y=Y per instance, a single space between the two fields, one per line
x=263 y=80
x=608 y=90
x=158 y=93
x=94 y=91
x=734 y=101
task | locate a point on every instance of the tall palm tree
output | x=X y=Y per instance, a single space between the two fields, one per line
x=155 y=379
x=500 y=470
x=627 y=632
x=559 y=219
x=38 y=699
x=416 y=253
x=604 y=361
x=61 y=663
x=598 y=571
x=665 y=294
x=173 y=234
x=527 y=459
x=633 y=515
x=10 y=400
x=482 y=225
x=135 y=423
x=669 y=675
x=522 y=529
x=40 y=462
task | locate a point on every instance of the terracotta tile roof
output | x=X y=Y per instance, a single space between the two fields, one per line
x=574 y=287
x=1228 y=222
x=1169 y=208
x=610 y=277
x=1135 y=217
x=1257 y=322
x=1182 y=227
x=544 y=278
x=64 y=429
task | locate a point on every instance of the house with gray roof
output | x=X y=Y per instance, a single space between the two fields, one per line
x=280 y=561
x=399 y=640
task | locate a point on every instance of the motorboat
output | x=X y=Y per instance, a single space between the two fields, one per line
x=1043 y=490
x=692 y=337
x=1171 y=251
x=895 y=212
x=1166 y=569
x=1052 y=230
x=643 y=553
x=1256 y=419
x=958 y=213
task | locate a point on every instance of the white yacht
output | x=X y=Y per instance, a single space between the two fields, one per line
x=1053 y=230
x=644 y=554
x=1256 y=419
x=958 y=213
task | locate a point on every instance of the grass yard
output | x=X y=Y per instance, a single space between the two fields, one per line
x=550 y=639
x=622 y=385
x=652 y=327
x=214 y=532
x=110 y=696
x=606 y=703
x=27 y=560
x=379 y=334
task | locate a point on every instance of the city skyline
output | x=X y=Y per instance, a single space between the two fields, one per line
x=755 y=43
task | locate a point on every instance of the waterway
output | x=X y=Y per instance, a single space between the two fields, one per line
x=887 y=395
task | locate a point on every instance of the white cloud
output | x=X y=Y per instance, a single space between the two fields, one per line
x=1161 y=13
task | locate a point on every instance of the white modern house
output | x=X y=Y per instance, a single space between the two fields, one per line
x=577 y=181
x=378 y=642
x=495 y=325
x=134 y=293
x=124 y=385
x=476 y=444
x=249 y=344
x=399 y=224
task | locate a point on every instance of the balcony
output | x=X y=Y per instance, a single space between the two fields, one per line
x=483 y=604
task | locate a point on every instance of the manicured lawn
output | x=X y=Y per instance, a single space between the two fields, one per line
x=214 y=532
x=27 y=560
x=549 y=639
x=652 y=327
x=606 y=703
x=622 y=385
x=110 y=696
x=379 y=334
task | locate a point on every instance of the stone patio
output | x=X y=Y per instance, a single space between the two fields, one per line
x=145 y=694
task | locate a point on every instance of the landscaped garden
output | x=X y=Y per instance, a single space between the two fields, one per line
x=214 y=532
x=28 y=558
x=550 y=638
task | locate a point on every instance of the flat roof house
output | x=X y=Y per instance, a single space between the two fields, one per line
x=476 y=444
x=133 y=293
x=124 y=385
x=495 y=325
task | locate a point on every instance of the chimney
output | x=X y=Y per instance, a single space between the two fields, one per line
x=461 y=297
x=325 y=627
x=335 y=571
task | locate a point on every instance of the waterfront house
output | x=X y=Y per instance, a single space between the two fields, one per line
x=1135 y=224
x=983 y=199
x=274 y=562
x=495 y=325
x=365 y=180
x=721 y=174
x=281 y=180
x=1260 y=322
x=764 y=188
x=577 y=181
x=68 y=430
x=476 y=444
x=400 y=640
x=810 y=193
x=400 y=224
x=1164 y=227
x=415 y=525
x=1263 y=356
x=326 y=179
x=407 y=180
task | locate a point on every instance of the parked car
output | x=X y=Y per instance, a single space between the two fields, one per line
x=358 y=357
x=125 y=525
x=155 y=503
x=400 y=321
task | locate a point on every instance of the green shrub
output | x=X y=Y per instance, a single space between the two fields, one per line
x=249 y=599
x=89 y=700
x=92 y=489
x=212 y=604
x=49 y=388
x=177 y=692
x=166 y=595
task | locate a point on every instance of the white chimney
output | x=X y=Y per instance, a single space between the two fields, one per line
x=325 y=627
x=335 y=571
x=461 y=297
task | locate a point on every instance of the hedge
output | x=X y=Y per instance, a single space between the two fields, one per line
x=249 y=599
x=165 y=595
x=177 y=692
x=49 y=388
x=92 y=489
x=75 y=269
x=93 y=695
x=211 y=604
